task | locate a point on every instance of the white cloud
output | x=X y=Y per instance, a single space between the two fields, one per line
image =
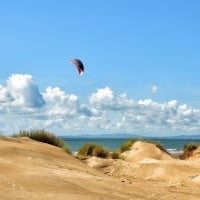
x=154 y=89
x=58 y=103
x=22 y=106
x=103 y=97
x=4 y=95
x=22 y=92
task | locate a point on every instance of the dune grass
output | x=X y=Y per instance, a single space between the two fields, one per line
x=188 y=150
x=97 y=150
x=91 y=149
x=115 y=155
x=100 y=151
x=159 y=145
x=44 y=136
x=126 y=146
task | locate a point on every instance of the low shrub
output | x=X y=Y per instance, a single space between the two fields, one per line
x=93 y=150
x=44 y=136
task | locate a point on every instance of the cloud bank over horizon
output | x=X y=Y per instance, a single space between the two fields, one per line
x=23 y=106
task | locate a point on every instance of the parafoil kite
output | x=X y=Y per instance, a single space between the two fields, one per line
x=79 y=65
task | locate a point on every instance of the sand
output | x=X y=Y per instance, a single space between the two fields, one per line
x=34 y=170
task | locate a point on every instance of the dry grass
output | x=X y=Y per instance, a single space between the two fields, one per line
x=127 y=145
x=44 y=136
x=160 y=146
x=93 y=150
x=188 y=151
x=115 y=155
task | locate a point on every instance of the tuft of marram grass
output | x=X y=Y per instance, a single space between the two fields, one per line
x=188 y=151
x=126 y=146
x=44 y=136
x=159 y=145
x=93 y=150
x=115 y=155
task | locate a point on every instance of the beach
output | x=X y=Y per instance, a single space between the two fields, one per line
x=34 y=170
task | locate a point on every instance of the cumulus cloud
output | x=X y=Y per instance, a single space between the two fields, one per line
x=144 y=115
x=21 y=91
x=59 y=103
x=105 y=98
x=22 y=106
x=5 y=96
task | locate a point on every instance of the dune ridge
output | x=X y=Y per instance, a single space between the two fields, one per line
x=148 y=162
x=34 y=170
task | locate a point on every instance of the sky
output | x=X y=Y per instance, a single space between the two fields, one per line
x=141 y=63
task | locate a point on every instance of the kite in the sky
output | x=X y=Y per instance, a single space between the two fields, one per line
x=79 y=65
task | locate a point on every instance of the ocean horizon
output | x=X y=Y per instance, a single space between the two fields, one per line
x=171 y=145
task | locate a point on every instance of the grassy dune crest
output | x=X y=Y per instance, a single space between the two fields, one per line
x=44 y=136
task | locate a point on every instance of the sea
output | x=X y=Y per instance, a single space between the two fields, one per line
x=174 y=146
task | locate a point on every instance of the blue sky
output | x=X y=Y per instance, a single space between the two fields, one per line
x=141 y=66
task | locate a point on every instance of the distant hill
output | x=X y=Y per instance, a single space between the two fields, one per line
x=186 y=137
x=114 y=135
x=128 y=135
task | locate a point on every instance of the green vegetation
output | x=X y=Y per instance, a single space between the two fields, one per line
x=44 y=136
x=115 y=155
x=188 y=151
x=126 y=146
x=93 y=150
x=98 y=151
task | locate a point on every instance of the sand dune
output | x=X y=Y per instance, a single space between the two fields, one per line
x=34 y=170
x=144 y=151
x=195 y=155
x=147 y=162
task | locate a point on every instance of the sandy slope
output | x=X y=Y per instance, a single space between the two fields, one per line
x=146 y=161
x=33 y=170
x=196 y=155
